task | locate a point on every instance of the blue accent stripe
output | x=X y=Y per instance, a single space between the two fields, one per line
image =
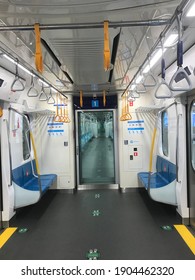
x=135 y=121
x=55 y=130
x=55 y=124
x=136 y=128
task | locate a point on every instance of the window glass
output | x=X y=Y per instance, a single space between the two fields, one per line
x=165 y=144
x=26 y=139
x=193 y=134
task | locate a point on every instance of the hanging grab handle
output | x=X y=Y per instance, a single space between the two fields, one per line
x=51 y=99
x=180 y=71
x=149 y=80
x=17 y=84
x=43 y=96
x=163 y=84
x=32 y=92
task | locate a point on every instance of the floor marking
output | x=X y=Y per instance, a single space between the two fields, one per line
x=187 y=236
x=93 y=254
x=96 y=213
x=168 y=228
x=6 y=235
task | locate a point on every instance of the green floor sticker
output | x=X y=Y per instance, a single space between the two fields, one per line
x=93 y=254
x=168 y=228
x=22 y=230
x=96 y=213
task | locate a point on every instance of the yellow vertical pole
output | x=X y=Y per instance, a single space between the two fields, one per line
x=104 y=98
x=35 y=153
x=106 y=47
x=81 y=98
x=152 y=149
x=38 y=50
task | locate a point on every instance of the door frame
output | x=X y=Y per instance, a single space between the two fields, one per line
x=116 y=155
x=190 y=169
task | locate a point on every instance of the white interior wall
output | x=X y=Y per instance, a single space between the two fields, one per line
x=131 y=137
x=56 y=149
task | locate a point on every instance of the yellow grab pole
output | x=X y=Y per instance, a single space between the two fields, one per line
x=106 y=47
x=81 y=98
x=152 y=149
x=38 y=50
x=104 y=98
x=35 y=153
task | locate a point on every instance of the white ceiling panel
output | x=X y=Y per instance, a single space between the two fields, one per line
x=80 y=50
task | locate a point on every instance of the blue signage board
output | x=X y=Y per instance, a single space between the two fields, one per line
x=95 y=103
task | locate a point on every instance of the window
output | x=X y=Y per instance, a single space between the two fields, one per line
x=26 y=138
x=165 y=146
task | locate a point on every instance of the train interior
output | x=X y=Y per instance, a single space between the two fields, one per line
x=97 y=129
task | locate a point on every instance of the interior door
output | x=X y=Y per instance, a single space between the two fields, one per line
x=96 y=157
x=191 y=157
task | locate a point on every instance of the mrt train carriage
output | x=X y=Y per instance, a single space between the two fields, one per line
x=97 y=129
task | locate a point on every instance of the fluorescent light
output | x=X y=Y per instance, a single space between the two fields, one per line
x=132 y=87
x=146 y=69
x=139 y=79
x=153 y=61
x=44 y=83
x=25 y=70
x=170 y=40
x=9 y=58
x=191 y=12
x=19 y=65
x=54 y=90
x=155 y=58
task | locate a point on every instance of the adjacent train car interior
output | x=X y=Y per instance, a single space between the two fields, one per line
x=97 y=130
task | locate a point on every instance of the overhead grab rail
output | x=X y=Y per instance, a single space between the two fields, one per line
x=166 y=29
x=88 y=25
x=163 y=84
x=32 y=92
x=180 y=70
x=17 y=84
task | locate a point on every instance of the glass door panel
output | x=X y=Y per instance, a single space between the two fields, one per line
x=96 y=147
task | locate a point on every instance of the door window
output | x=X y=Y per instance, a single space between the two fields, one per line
x=165 y=144
x=192 y=112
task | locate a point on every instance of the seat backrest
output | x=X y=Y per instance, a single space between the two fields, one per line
x=166 y=169
x=23 y=173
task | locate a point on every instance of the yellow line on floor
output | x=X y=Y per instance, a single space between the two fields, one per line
x=187 y=236
x=6 y=235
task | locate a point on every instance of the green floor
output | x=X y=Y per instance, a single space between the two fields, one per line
x=120 y=226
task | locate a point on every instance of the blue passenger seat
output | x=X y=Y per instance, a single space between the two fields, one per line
x=164 y=175
x=23 y=176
